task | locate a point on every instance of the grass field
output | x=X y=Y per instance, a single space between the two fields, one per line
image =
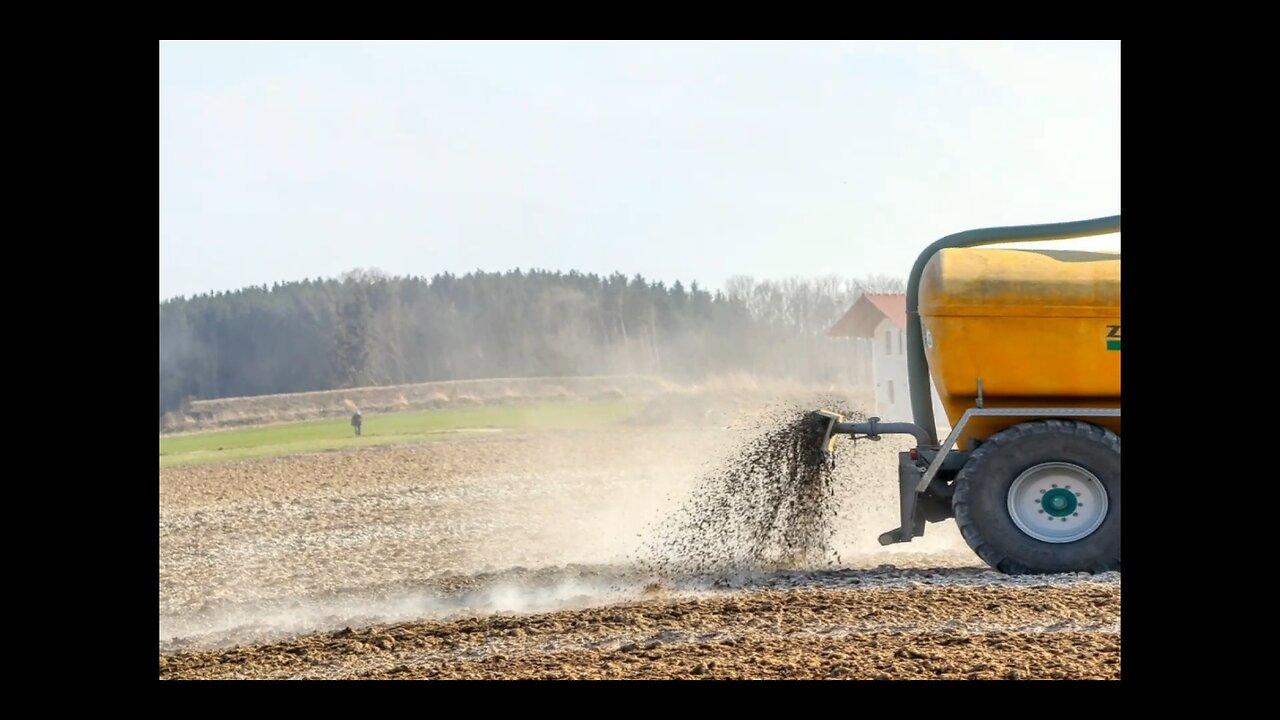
x=322 y=435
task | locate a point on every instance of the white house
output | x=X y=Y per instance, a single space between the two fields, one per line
x=882 y=320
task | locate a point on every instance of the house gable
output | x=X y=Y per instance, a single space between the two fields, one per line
x=867 y=313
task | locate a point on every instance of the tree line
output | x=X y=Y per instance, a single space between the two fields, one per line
x=369 y=328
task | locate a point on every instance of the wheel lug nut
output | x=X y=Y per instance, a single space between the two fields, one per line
x=1075 y=514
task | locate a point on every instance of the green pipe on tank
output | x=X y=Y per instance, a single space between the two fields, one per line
x=917 y=362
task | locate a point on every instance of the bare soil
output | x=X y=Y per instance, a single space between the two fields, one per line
x=513 y=556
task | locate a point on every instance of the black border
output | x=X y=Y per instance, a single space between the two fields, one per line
x=1144 y=294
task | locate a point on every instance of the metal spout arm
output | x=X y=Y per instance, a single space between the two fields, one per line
x=873 y=429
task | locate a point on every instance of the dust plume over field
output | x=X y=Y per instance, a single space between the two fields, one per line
x=414 y=526
x=394 y=533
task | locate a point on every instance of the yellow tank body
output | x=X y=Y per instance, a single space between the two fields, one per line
x=1040 y=328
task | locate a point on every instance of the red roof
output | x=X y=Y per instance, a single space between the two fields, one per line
x=861 y=319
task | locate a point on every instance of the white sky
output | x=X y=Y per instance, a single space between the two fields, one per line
x=676 y=160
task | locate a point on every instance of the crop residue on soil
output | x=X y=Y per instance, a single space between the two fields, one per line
x=771 y=505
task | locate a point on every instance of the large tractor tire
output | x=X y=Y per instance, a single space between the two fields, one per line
x=1043 y=497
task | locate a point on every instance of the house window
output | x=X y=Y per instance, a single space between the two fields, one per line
x=888 y=342
x=890 y=392
x=899 y=342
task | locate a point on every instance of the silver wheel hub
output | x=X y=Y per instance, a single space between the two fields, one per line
x=1057 y=502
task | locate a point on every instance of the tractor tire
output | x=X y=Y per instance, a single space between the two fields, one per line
x=1043 y=497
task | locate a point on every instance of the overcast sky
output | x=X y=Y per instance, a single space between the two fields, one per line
x=676 y=160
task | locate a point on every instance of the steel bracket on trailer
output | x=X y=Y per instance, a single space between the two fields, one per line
x=950 y=442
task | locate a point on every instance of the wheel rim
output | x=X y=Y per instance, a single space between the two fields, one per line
x=1057 y=502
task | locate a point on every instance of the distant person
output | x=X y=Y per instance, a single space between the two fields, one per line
x=356 y=421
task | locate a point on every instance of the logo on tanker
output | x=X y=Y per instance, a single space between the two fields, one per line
x=1113 y=337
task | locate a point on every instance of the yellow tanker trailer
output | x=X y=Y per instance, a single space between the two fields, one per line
x=1024 y=348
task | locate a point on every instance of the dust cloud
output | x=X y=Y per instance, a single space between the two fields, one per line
x=517 y=522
